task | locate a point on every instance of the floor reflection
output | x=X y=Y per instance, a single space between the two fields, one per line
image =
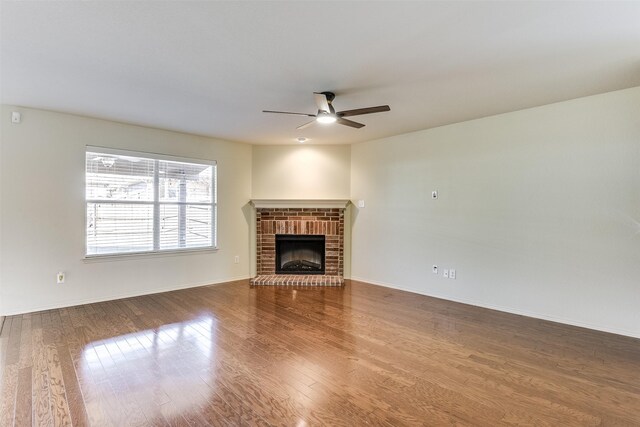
x=154 y=370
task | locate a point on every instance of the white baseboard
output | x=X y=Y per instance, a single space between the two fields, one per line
x=82 y=301
x=511 y=310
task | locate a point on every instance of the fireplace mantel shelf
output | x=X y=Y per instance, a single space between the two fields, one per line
x=299 y=203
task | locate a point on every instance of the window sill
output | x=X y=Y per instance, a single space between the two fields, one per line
x=148 y=254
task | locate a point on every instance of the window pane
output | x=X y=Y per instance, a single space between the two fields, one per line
x=169 y=227
x=198 y=226
x=185 y=226
x=111 y=177
x=185 y=182
x=118 y=228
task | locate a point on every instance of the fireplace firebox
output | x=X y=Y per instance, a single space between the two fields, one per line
x=300 y=254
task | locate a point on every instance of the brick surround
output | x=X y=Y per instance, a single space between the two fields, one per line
x=326 y=221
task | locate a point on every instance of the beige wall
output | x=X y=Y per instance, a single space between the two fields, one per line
x=42 y=213
x=538 y=211
x=301 y=172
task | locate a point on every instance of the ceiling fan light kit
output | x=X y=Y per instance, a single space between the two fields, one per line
x=324 y=117
x=327 y=114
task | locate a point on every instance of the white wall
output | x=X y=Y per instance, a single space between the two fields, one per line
x=42 y=213
x=303 y=172
x=539 y=211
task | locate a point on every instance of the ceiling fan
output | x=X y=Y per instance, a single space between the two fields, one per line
x=327 y=114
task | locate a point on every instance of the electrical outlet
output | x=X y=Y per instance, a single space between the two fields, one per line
x=60 y=277
x=434 y=269
x=452 y=274
x=445 y=274
x=236 y=259
x=361 y=204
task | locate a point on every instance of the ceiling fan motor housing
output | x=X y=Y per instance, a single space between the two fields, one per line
x=329 y=95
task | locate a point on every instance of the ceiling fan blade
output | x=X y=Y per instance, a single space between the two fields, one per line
x=321 y=101
x=349 y=123
x=361 y=111
x=287 y=112
x=306 y=125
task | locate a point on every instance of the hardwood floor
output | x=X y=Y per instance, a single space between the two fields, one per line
x=360 y=355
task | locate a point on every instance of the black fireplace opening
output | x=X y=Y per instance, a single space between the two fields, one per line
x=299 y=254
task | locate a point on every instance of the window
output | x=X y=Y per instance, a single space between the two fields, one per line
x=139 y=202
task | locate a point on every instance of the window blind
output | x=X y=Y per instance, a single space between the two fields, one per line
x=139 y=202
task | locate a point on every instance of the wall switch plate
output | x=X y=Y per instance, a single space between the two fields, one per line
x=452 y=274
x=361 y=203
x=236 y=259
x=16 y=117
x=434 y=269
x=445 y=274
x=434 y=194
x=60 y=277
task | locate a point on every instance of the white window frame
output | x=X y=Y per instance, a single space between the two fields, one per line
x=156 y=203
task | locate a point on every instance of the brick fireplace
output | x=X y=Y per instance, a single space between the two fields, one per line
x=298 y=218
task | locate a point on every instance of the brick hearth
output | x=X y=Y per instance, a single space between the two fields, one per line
x=298 y=280
x=320 y=221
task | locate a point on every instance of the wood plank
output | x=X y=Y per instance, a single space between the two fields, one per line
x=24 y=398
x=41 y=410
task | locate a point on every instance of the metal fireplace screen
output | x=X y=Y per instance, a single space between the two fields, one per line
x=299 y=254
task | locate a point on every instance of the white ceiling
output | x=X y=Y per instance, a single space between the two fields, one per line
x=210 y=67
